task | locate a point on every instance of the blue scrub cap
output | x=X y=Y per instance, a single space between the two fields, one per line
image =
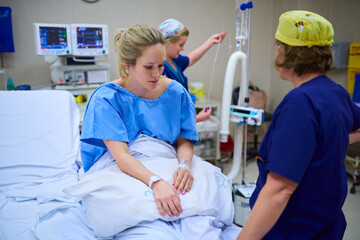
x=170 y=27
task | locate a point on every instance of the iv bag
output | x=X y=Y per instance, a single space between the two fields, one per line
x=242 y=18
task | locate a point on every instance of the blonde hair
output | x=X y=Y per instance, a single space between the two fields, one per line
x=176 y=37
x=130 y=43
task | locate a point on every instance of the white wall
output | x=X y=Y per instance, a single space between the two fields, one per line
x=202 y=17
x=345 y=18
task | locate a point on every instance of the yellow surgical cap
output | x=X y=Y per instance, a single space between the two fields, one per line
x=303 y=28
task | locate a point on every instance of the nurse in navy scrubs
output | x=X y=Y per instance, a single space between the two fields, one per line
x=302 y=181
x=176 y=36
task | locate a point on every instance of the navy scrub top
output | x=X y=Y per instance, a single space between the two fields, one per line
x=307 y=143
x=181 y=63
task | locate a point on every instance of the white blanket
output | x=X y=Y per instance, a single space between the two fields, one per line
x=114 y=201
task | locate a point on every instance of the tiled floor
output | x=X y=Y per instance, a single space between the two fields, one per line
x=351 y=207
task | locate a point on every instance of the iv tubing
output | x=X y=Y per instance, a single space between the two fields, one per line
x=234 y=59
x=213 y=70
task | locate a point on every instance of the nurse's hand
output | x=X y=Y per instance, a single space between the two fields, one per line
x=204 y=114
x=166 y=198
x=218 y=37
x=183 y=180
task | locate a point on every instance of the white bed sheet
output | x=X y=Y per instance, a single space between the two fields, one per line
x=194 y=228
x=109 y=194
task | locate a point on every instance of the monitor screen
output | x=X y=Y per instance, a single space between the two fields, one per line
x=89 y=39
x=52 y=39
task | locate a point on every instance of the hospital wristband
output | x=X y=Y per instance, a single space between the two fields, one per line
x=183 y=165
x=154 y=179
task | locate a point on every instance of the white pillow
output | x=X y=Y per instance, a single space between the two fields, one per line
x=115 y=201
x=39 y=135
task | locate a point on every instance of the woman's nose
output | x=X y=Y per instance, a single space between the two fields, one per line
x=157 y=73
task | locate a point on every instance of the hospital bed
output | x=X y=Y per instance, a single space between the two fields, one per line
x=45 y=195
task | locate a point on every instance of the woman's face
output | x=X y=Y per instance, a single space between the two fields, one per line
x=146 y=73
x=173 y=49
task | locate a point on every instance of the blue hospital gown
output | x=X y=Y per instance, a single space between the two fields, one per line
x=114 y=113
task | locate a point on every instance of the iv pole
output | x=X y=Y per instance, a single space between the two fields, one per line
x=235 y=58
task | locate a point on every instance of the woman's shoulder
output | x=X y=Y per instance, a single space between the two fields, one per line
x=105 y=88
x=173 y=86
x=107 y=91
x=165 y=80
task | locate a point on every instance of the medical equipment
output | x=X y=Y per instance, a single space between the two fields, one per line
x=89 y=39
x=242 y=194
x=241 y=114
x=213 y=69
x=243 y=20
x=208 y=146
x=250 y=115
x=71 y=51
x=235 y=58
x=52 y=39
x=79 y=74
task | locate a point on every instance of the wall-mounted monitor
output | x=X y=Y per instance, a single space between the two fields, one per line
x=89 y=39
x=52 y=39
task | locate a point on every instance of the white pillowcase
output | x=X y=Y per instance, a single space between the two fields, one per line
x=39 y=136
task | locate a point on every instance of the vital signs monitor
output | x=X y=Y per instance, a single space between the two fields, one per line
x=89 y=39
x=52 y=39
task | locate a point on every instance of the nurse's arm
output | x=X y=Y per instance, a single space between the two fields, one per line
x=197 y=53
x=166 y=197
x=268 y=207
x=354 y=136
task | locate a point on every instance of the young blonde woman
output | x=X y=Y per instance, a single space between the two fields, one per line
x=142 y=101
x=141 y=105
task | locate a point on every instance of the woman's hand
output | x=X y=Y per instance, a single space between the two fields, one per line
x=166 y=198
x=183 y=180
x=197 y=53
x=204 y=114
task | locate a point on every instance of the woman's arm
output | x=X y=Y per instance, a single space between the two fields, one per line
x=270 y=204
x=166 y=197
x=196 y=54
x=354 y=136
x=182 y=177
